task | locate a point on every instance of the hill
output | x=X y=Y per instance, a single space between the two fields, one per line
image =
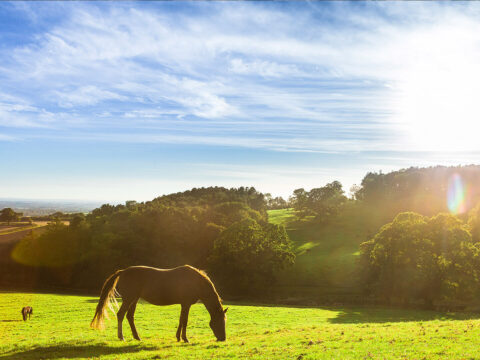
x=326 y=254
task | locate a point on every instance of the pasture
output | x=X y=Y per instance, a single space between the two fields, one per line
x=59 y=329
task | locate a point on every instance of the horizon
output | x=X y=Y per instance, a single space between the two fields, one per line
x=277 y=96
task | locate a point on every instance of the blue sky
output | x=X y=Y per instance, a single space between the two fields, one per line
x=115 y=101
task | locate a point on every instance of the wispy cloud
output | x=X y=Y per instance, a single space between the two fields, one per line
x=241 y=64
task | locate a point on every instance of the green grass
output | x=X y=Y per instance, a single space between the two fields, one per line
x=60 y=329
x=281 y=217
x=326 y=253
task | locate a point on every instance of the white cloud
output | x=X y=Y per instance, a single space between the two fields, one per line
x=263 y=68
x=85 y=95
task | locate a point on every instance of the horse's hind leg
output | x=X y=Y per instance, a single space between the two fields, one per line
x=120 y=315
x=130 y=318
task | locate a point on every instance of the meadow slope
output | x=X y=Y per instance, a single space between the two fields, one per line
x=60 y=329
x=326 y=254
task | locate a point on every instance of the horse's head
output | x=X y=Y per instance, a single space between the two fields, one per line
x=217 y=324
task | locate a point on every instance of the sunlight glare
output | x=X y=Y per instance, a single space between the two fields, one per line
x=456 y=195
x=437 y=98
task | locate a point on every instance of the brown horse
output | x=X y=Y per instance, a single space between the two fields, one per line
x=27 y=311
x=183 y=285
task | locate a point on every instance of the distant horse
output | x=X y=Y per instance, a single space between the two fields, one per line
x=27 y=311
x=183 y=285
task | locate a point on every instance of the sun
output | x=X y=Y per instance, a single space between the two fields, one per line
x=436 y=98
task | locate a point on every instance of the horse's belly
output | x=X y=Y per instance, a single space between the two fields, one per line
x=159 y=300
x=162 y=296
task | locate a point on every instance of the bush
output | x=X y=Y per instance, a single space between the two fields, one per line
x=247 y=255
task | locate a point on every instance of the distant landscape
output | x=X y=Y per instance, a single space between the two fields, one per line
x=306 y=249
x=47 y=207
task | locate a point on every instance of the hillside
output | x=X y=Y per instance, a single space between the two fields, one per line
x=326 y=254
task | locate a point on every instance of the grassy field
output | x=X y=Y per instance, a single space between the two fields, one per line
x=60 y=329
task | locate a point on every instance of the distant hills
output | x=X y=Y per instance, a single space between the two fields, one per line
x=46 y=207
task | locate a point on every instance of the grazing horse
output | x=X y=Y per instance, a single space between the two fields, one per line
x=27 y=311
x=183 y=285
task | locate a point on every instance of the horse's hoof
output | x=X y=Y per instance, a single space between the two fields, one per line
x=185 y=340
x=137 y=338
x=121 y=339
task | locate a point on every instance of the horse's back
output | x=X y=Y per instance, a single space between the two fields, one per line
x=161 y=286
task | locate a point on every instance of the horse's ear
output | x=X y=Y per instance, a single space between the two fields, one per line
x=225 y=311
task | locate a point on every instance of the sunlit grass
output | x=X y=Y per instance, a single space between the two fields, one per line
x=281 y=216
x=60 y=329
x=326 y=253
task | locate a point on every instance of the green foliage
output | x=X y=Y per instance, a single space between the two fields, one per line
x=323 y=203
x=474 y=223
x=416 y=257
x=169 y=231
x=9 y=215
x=275 y=203
x=247 y=255
x=423 y=190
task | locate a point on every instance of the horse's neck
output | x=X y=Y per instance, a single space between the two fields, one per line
x=212 y=303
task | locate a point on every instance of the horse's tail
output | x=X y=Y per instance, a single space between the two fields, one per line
x=107 y=297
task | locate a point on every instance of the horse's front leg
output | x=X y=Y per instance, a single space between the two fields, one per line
x=185 y=310
x=182 y=326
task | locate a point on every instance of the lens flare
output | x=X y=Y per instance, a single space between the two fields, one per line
x=456 y=195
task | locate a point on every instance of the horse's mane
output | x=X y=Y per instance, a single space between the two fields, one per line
x=203 y=274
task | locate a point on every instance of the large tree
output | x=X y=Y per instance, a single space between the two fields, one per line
x=416 y=257
x=8 y=215
x=247 y=255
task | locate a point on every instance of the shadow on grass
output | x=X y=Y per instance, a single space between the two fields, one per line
x=386 y=315
x=74 y=352
x=372 y=314
x=92 y=301
x=10 y=320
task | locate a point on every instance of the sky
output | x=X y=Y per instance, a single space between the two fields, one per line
x=111 y=101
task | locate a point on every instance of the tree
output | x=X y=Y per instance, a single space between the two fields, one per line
x=247 y=255
x=416 y=257
x=8 y=215
x=275 y=203
x=355 y=192
x=474 y=223
x=322 y=203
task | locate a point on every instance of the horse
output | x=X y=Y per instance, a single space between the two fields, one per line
x=27 y=311
x=183 y=285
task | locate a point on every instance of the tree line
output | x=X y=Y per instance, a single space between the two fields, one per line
x=225 y=231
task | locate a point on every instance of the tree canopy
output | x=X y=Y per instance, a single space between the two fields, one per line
x=321 y=203
x=9 y=215
x=420 y=258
